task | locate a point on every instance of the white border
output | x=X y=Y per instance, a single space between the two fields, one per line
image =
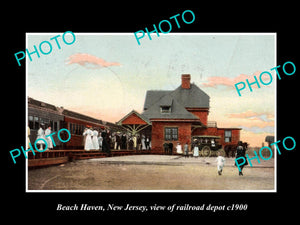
x=157 y=191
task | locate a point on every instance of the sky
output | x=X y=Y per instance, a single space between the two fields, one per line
x=107 y=75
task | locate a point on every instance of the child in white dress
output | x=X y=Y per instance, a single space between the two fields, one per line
x=179 y=148
x=220 y=163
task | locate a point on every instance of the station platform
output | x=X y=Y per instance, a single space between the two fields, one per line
x=53 y=157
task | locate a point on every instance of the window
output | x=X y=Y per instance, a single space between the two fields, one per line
x=71 y=128
x=165 y=109
x=45 y=121
x=30 y=122
x=36 y=124
x=51 y=125
x=55 y=126
x=227 y=136
x=77 y=131
x=171 y=133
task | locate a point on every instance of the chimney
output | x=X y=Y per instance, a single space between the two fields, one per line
x=185 y=81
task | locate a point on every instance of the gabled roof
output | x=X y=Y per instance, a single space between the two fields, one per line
x=193 y=97
x=177 y=111
x=166 y=100
x=178 y=100
x=153 y=96
x=136 y=116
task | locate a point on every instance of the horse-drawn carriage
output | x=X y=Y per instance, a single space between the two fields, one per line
x=208 y=145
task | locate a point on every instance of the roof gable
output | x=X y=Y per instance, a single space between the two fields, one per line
x=153 y=96
x=193 y=97
x=177 y=111
x=133 y=118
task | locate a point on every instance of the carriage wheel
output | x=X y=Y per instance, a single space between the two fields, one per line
x=206 y=151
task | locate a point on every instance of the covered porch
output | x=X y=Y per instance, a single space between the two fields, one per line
x=139 y=127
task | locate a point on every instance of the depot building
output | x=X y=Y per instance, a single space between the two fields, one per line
x=177 y=116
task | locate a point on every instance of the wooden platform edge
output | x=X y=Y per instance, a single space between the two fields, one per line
x=47 y=161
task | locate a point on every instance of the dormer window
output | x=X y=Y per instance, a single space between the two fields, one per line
x=165 y=109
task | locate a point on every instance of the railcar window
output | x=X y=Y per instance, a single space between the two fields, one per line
x=45 y=121
x=77 y=129
x=55 y=128
x=71 y=128
x=30 y=122
x=36 y=123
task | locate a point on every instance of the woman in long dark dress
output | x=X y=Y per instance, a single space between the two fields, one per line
x=241 y=152
x=105 y=143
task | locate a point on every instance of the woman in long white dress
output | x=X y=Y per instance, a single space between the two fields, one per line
x=95 y=140
x=41 y=135
x=88 y=145
x=196 y=149
x=100 y=139
x=48 y=139
x=143 y=143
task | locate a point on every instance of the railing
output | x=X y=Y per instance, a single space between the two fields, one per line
x=211 y=124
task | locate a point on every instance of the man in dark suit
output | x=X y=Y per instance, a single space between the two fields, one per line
x=166 y=148
x=171 y=148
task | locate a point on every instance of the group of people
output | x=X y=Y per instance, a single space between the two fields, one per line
x=41 y=135
x=96 y=139
x=240 y=152
x=91 y=140
x=132 y=142
x=168 y=149
x=185 y=151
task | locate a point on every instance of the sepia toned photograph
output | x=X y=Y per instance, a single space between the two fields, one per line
x=174 y=114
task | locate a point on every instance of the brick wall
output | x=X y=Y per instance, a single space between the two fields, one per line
x=202 y=114
x=235 y=136
x=158 y=135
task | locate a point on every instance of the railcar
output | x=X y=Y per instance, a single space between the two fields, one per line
x=44 y=114
x=76 y=123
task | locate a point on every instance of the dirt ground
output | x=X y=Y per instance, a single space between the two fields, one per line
x=104 y=175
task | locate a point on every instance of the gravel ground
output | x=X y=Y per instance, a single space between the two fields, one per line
x=151 y=172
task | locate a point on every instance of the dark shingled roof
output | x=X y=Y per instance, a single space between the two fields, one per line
x=191 y=98
x=179 y=99
x=177 y=112
x=34 y=102
x=153 y=96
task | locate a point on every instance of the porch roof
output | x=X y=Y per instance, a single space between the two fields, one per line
x=134 y=118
